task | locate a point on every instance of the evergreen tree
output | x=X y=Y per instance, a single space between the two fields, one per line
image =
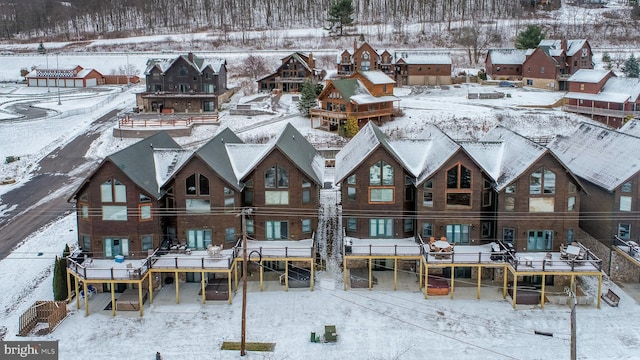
x=340 y=15
x=631 y=67
x=308 y=98
x=606 y=58
x=351 y=127
x=60 y=279
x=41 y=48
x=530 y=38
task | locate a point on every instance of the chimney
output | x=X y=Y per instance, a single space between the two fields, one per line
x=355 y=45
x=311 y=62
x=190 y=57
x=563 y=44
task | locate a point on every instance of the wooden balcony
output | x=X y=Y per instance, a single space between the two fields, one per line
x=340 y=115
x=588 y=110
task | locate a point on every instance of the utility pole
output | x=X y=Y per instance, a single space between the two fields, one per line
x=243 y=352
x=46 y=55
x=573 y=321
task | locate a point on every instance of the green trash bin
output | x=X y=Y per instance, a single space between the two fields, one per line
x=313 y=336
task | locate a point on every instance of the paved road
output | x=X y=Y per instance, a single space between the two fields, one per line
x=26 y=217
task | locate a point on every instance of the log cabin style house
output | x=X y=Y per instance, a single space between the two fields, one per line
x=364 y=96
x=184 y=84
x=295 y=70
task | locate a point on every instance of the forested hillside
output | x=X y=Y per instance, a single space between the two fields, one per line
x=428 y=22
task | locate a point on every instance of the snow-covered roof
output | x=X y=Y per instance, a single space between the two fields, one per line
x=422 y=57
x=589 y=75
x=214 y=154
x=377 y=77
x=513 y=155
x=358 y=149
x=615 y=90
x=439 y=148
x=507 y=56
x=573 y=46
x=198 y=63
x=631 y=127
x=600 y=155
x=167 y=161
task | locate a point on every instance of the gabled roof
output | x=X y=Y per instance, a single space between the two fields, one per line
x=631 y=127
x=302 y=58
x=427 y=57
x=513 y=154
x=602 y=156
x=164 y=64
x=214 y=153
x=245 y=157
x=507 y=56
x=349 y=87
x=367 y=140
x=439 y=148
x=572 y=45
x=167 y=162
x=589 y=75
x=138 y=161
x=377 y=77
x=616 y=90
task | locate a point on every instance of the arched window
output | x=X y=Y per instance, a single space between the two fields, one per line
x=381 y=173
x=542 y=181
x=365 y=65
x=276 y=177
x=458 y=186
x=201 y=187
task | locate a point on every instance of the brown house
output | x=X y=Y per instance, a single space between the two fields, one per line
x=118 y=205
x=422 y=67
x=550 y=64
x=603 y=96
x=185 y=84
x=364 y=58
x=295 y=70
x=606 y=160
x=505 y=64
x=155 y=193
x=365 y=96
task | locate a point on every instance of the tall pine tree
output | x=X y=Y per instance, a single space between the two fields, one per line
x=631 y=67
x=307 y=98
x=530 y=38
x=60 y=279
x=340 y=15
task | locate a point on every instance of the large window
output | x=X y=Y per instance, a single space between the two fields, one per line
x=276 y=198
x=408 y=225
x=540 y=240
x=116 y=246
x=229 y=198
x=276 y=177
x=198 y=239
x=381 y=195
x=230 y=234
x=197 y=205
x=625 y=203
x=197 y=184
x=351 y=193
x=381 y=173
x=352 y=224
x=458 y=233
x=571 y=203
x=277 y=230
x=427 y=195
x=365 y=64
x=381 y=228
x=458 y=186
x=145 y=212
x=86 y=242
x=147 y=242
x=113 y=190
x=114 y=213
x=306 y=191
x=306 y=226
x=542 y=181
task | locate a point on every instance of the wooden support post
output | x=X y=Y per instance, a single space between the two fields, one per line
x=344 y=272
x=599 y=289
x=420 y=274
x=479 y=280
x=395 y=274
x=426 y=281
x=177 y=288
x=515 y=289
x=261 y=277
x=235 y=268
x=229 y=283
x=68 y=285
x=150 y=288
x=204 y=292
x=313 y=282
x=542 y=292
x=504 y=282
x=286 y=275
x=113 y=299
x=140 y=299
x=86 y=299
x=453 y=272
x=77 y=294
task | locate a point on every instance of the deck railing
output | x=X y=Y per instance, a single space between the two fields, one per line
x=128 y=122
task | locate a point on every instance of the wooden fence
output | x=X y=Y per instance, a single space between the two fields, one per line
x=50 y=312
